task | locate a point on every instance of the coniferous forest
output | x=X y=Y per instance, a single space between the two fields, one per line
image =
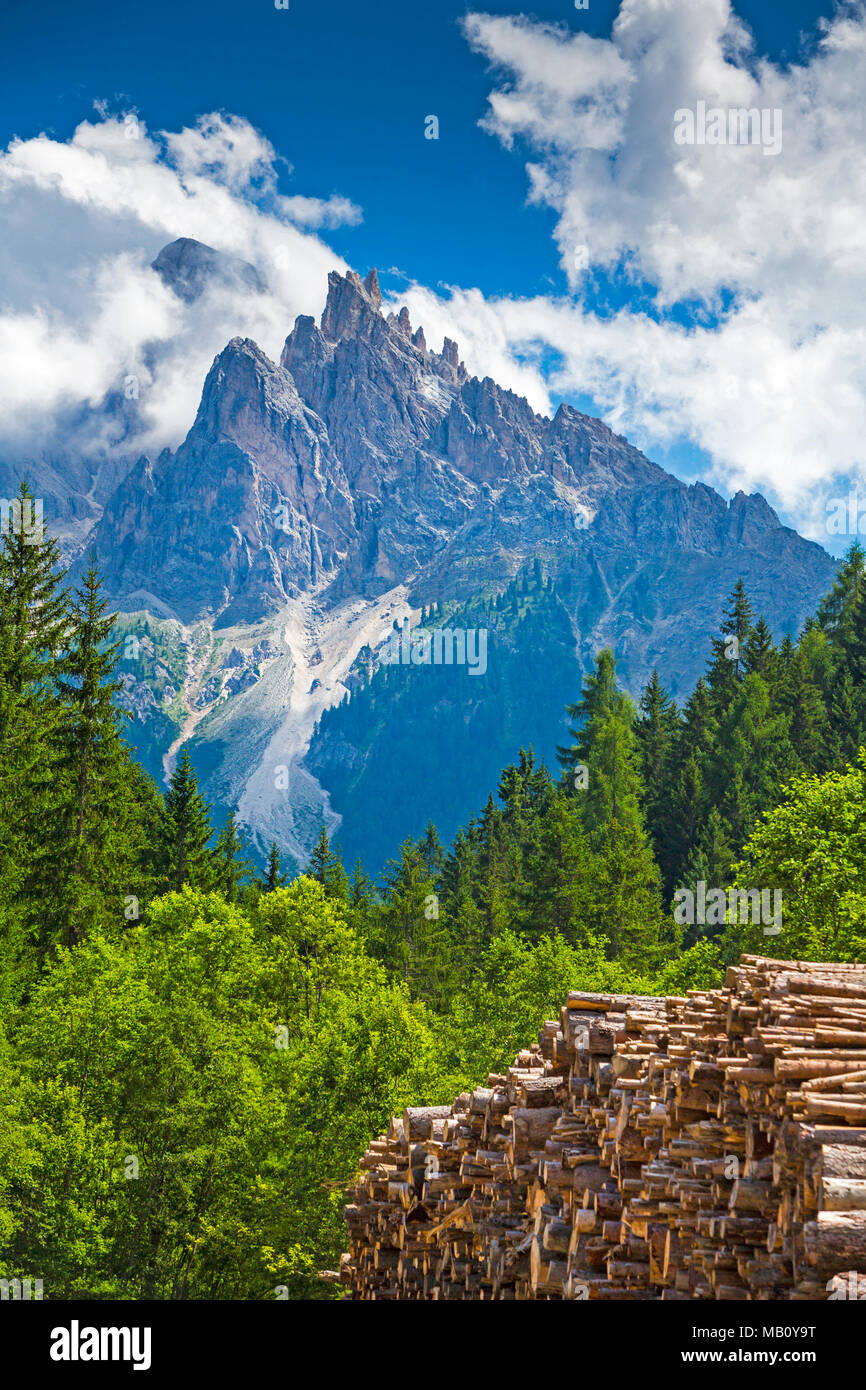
x=195 y=1051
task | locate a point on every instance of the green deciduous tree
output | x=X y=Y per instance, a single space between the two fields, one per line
x=812 y=849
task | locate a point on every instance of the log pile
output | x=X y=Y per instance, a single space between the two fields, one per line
x=706 y=1147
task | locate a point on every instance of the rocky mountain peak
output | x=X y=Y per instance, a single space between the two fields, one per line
x=366 y=458
x=371 y=285
x=364 y=472
x=353 y=311
x=351 y=305
x=189 y=267
x=242 y=378
x=753 y=513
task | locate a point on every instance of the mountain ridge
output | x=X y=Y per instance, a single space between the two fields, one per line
x=361 y=465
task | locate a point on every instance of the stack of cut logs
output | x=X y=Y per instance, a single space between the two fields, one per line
x=707 y=1147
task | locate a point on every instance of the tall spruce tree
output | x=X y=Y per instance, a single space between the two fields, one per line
x=798 y=692
x=557 y=896
x=727 y=662
x=231 y=864
x=326 y=868
x=460 y=892
x=605 y=744
x=432 y=851
x=186 y=831
x=753 y=761
x=33 y=623
x=94 y=842
x=759 y=654
x=690 y=798
x=626 y=884
x=274 y=877
x=494 y=879
x=656 y=732
x=414 y=937
x=33 y=603
x=598 y=695
x=842 y=617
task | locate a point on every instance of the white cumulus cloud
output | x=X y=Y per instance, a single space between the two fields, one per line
x=738 y=279
x=81 y=310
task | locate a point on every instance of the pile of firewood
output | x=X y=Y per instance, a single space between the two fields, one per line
x=708 y=1147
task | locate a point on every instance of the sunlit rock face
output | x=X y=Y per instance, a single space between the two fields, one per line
x=363 y=476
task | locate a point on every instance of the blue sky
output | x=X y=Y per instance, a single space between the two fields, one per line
x=718 y=320
x=341 y=90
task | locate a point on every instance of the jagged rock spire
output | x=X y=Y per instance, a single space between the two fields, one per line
x=371 y=285
x=351 y=300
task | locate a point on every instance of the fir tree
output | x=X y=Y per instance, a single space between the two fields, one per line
x=186 y=831
x=33 y=605
x=711 y=862
x=413 y=933
x=842 y=618
x=460 y=893
x=754 y=758
x=656 y=731
x=557 y=897
x=799 y=694
x=361 y=889
x=326 y=868
x=690 y=796
x=838 y=609
x=626 y=904
x=626 y=884
x=598 y=697
x=273 y=878
x=33 y=623
x=493 y=877
x=230 y=863
x=759 y=654
x=605 y=744
x=726 y=666
x=431 y=850
x=93 y=842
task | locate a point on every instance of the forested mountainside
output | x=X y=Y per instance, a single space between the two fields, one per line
x=194 y=1053
x=365 y=478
